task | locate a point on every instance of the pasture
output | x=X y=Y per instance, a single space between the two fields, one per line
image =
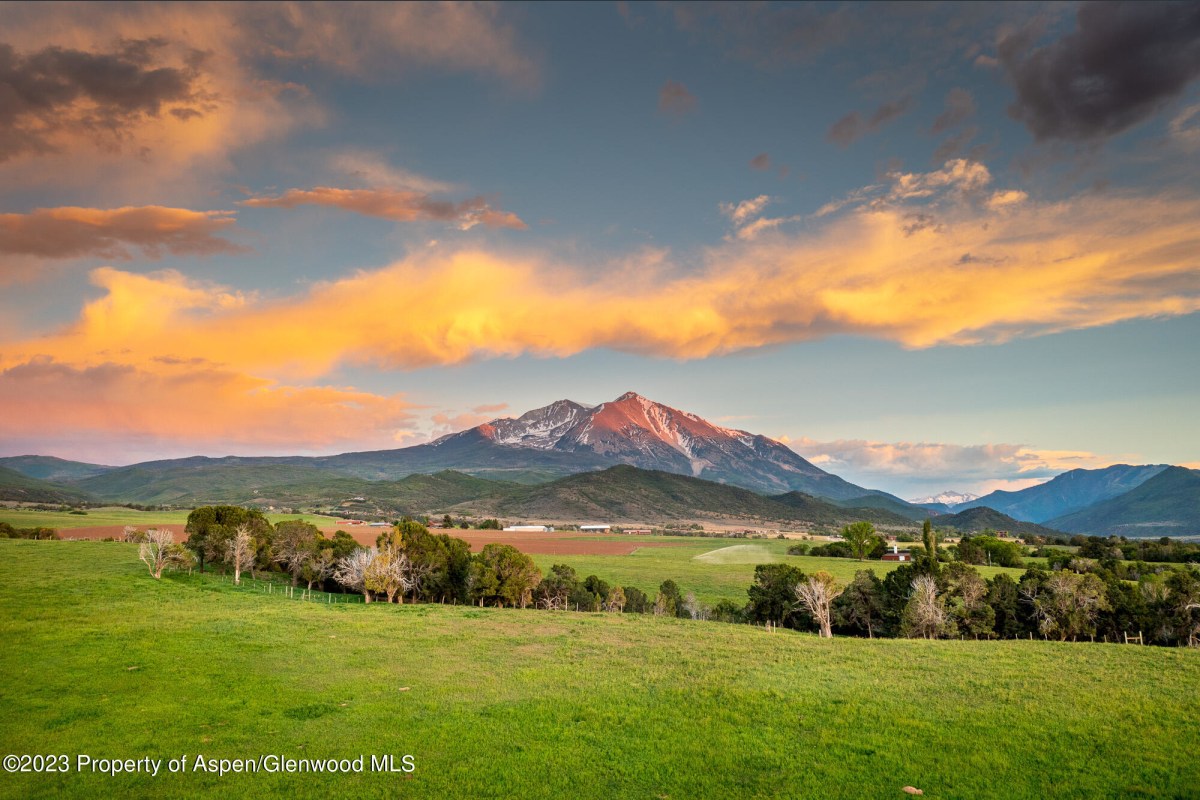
x=100 y=659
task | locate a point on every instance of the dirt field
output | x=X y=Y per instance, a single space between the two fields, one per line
x=566 y=543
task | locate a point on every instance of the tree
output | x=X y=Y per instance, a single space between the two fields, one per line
x=925 y=616
x=210 y=529
x=817 y=592
x=390 y=572
x=929 y=561
x=861 y=537
x=636 y=601
x=671 y=600
x=693 y=608
x=773 y=597
x=861 y=605
x=554 y=591
x=1002 y=598
x=342 y=544
x=615 y=600
x=503 y=575
x=295 y=544
x=240 y=551
x=490 y=525
x=160 y=551
x=969 y=601
x=351 y=571
x=319 y=568
x=1065 y=604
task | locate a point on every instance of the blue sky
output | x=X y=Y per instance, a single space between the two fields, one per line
x=930 y=247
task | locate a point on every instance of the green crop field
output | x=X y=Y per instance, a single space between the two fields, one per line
x=119 y=515
x=99 y=659
x=715 y=569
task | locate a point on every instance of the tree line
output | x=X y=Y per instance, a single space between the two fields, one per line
x=938 y=595
x=1075 y=598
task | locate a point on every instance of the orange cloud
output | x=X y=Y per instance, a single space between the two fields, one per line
x=964 y=273
x=396 y=205
x=71 y=232
x=46 y=401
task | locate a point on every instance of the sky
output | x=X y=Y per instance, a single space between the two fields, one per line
x=929 y=246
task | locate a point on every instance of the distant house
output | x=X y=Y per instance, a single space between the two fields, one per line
x=897 y=555
x=530 y=528
x=639 y=531
x=596 y=528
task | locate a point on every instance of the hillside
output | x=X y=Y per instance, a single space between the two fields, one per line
x=21 y=488
x=1167 y=504
x=629 y=494
x=49 y=468
x=978 y=519
x=1066 y=493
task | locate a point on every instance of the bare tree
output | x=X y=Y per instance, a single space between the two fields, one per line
x=319 y=569
x=1066 y=604
x=694 y=608
x=351 y=571
x=240 y=551
x=817 y=593
x=159 y=551
x=925 y=615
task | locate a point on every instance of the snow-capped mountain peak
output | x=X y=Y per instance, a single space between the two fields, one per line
x=948 y=497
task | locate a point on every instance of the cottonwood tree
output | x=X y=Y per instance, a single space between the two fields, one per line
x=319 y=568
x=615 y=600
x=861 y=537
x=926 y=616
x=1065 y=604
x=240 y=552
x=693 y=607
x=210 y=528
x=817 y=593
x=351 y=571
x=159 y=551
x=296 y=543
x=503 y=575
x=390 y=573
x=969 y=603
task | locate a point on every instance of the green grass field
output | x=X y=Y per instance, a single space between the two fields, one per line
x=715 y=569
x=119 y=515
x=100 y=659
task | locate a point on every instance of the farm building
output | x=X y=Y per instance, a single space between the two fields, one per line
x=596 y=528
x=897 y=555
x=529 y=528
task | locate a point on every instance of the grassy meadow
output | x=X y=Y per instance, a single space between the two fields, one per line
x=101 y=659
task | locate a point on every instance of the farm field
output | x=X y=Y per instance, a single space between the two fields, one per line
x=715 y=569
x=101 y=659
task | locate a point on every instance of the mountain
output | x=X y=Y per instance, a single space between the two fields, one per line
x=1168 y=504
x=980 y=518
x=24 y=489
x=629 y=494
x=48 y=468
x=1068 y=492
x=639 y=432
x=947 y=498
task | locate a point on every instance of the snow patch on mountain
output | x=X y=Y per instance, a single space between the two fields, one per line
x=948 y=497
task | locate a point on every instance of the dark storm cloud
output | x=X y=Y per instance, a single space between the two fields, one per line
x=57 y=90
x=1121 y=65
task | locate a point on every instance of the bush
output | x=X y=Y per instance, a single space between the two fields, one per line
x=799 y=549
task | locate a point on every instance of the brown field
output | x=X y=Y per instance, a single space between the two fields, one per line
x=117 y=531
x=567 y=543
